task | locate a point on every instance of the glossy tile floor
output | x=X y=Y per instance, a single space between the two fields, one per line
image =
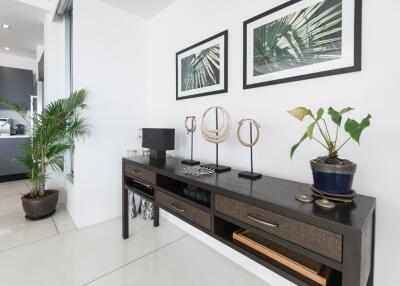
x=52 y=252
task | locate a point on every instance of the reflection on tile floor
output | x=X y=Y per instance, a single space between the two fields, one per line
x=185 y=262
x=53 y=252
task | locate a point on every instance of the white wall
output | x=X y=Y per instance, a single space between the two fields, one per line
x=375 y=90
x=54 y=83
x=54 y=60
x=110 y=60
x=17 y=62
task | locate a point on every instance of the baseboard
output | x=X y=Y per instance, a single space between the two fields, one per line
x=271 y=278
x=14 y=177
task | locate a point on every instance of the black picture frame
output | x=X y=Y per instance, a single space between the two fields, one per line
x=357 y=66
x=223 y=34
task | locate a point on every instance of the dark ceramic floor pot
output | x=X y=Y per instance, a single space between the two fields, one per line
x=333 y=176
x=40 y=208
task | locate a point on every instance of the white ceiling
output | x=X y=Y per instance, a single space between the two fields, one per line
x=142 y=8
x=26 y=28
x=27 y=16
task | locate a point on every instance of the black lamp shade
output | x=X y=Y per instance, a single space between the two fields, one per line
x=158 y=139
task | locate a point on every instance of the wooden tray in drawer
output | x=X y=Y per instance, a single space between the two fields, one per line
x=140 y=173
x=190 y=212
x=316 y=239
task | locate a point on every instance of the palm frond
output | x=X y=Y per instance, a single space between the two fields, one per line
x=308 y=36
x=201 y=70
x=53 y=133
x=19 y=108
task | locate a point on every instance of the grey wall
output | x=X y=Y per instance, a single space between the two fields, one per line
x=9 y=148
x=16 y=85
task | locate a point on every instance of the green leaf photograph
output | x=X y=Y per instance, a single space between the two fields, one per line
x=302 y=39
x=309 y=36
x=202 y=69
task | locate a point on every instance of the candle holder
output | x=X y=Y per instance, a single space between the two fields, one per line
x=249 y=175
x=191 y=128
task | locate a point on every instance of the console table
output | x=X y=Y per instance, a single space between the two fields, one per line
x=341 y=239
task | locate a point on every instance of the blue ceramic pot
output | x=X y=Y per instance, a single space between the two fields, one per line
x=333 y=178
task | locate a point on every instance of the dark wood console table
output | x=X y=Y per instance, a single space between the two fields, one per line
x=341 y=239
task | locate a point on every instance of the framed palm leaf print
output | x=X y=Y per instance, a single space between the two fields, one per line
x=202 y=69
x=302 y=39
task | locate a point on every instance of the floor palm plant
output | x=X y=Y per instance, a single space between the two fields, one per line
x=53 y=133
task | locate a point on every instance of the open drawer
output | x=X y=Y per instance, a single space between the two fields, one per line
x=316 y=239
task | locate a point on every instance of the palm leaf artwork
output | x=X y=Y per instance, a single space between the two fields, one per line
x=308 y=36
x=201 y=69
x=52 y=134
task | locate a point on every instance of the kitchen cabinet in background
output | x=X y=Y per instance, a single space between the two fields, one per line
x=16 y=85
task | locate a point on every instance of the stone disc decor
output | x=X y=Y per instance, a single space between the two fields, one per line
x=302 y=39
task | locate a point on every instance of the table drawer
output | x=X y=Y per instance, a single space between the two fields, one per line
x=318 y=240
x=192 y=213
x=140 y=173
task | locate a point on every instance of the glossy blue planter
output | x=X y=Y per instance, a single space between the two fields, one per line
x=334 y=179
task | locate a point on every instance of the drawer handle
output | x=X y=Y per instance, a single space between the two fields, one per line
x=149 y=187
x=177 y=209
x=137 y=172
x=274 y=225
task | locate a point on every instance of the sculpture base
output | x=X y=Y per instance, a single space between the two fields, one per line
x=190 y=162
x=217 y=168
x=250 y=175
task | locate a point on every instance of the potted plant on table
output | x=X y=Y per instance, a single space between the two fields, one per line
x=53 y=133
x=331 y=174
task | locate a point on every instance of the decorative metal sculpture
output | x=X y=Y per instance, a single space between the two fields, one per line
x=218 y=135
x=198 y=171
x=190 y=125
x=249 y=175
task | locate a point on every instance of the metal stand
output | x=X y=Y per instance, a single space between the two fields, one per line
x=191 y=162
x=217 y=167
x=250 y=175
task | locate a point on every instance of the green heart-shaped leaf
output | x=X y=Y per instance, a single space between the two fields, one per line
x=297 y=145
x=337 y=116
x=354 y=129
x=345 y=110
x=320 y=113
x=310 y=129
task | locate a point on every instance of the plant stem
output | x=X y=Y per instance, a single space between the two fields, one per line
x=343 y=144
x=321 y=143
x=320 y=130
x=327 y=130
x=337 y=134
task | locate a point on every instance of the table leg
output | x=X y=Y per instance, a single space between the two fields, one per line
x=125 y=213
x=156 y=222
